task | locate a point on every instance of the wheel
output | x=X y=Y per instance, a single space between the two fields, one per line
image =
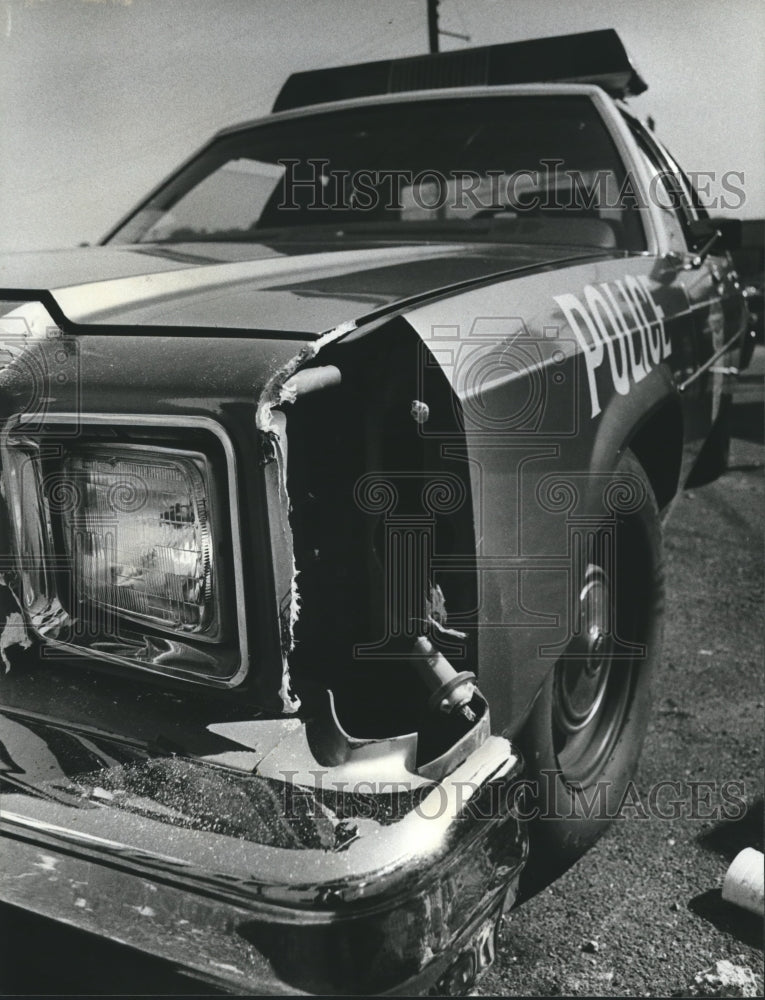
x=583 y=739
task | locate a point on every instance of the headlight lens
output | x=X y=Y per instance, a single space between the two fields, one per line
x=137 y=530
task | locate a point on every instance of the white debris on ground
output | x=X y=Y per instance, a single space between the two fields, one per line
x=744 y=883
x=724 y=979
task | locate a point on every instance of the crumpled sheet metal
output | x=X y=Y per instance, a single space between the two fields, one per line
x=273 y=427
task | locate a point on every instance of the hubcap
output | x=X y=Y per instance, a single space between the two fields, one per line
x=590 y=687
x=580 y=687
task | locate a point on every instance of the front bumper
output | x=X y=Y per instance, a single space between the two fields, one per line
x=408 y=906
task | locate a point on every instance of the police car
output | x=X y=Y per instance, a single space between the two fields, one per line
x=333 y=484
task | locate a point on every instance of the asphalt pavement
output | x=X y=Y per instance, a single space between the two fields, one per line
x=641 y=913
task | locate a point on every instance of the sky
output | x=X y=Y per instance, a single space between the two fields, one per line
x=101 y=99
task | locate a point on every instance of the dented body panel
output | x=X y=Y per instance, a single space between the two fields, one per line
x=392 y=446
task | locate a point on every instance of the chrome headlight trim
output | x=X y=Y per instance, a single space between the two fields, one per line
x=14 y=429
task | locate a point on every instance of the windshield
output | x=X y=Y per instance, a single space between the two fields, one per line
x=539 y=169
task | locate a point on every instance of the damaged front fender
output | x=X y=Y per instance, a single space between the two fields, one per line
x=369 y=496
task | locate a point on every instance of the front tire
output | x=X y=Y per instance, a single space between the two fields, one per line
x=584 y=737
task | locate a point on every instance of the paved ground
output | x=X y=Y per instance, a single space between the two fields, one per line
x=648 y=894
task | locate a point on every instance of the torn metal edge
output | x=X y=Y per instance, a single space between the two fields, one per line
x=275 y=393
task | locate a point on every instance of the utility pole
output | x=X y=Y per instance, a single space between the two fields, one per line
x=434 y=31
x=433 y=25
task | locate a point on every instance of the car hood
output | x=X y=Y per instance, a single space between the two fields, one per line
x=304 y=289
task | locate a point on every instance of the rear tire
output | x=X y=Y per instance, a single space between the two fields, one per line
x=584 y=737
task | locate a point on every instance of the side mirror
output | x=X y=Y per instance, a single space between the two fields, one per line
x=730 y=231
x=703 y=237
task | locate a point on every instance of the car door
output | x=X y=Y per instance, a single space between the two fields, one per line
x=719 y=329
x=709 y=280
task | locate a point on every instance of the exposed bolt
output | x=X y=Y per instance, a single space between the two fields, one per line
x=420 y=411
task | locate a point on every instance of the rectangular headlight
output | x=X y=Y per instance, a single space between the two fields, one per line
x=137 y=530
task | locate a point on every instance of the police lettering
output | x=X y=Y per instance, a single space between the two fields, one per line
x=621 y=321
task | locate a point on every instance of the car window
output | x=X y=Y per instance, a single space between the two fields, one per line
x=216 y=201
x=671 y=189
x=664 y=196
x=498 y=168
x=694 y=205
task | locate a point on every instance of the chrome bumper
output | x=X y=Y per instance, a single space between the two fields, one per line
x=407 y=907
